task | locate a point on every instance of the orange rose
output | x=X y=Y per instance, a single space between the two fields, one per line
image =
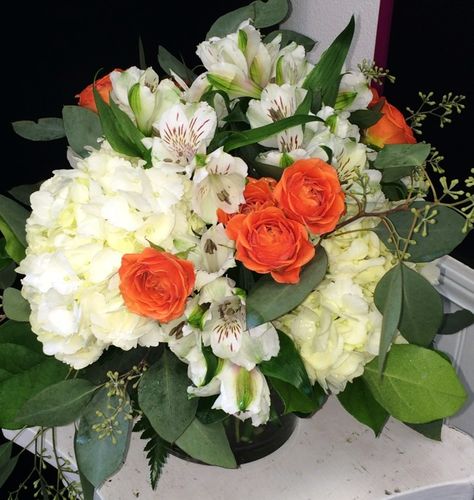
x=268 y=242
x=156 y=284
x=390 y=129
x=103 y=86
x=309 y=192
x=258 y=193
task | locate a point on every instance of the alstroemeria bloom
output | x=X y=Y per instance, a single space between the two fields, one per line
x=142 y=96
x=240 y=64
x=219 y=183
x=182 y=132
x=354 y=92
x=242 y=393
x=291 y=65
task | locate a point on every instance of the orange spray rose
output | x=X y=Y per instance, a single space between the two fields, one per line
x=309 y=192
x=103 y=86
x=156 y=284
x=268 y=242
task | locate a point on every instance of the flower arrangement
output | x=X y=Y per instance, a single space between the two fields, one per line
x=239 y=244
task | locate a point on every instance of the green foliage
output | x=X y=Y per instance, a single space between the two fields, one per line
x=418 y=385
x=156 y=449
x=102 y=438
x=82 y=128
x=87 y=487
x=163 y=397
x=394 y=191
x=431 y=230
x=170 y=64
x=46 y=129
x=269 y=300
x=288 y=36
x=24 y=370
x=206 y=414
x=7 y=462
x=456 y=321
x=12 y=225
x=23 y=192
x=58 y=404
x=7 y=275
x=268 y=170
x=326 y=74
x=15 y=306
x=359 y=402
x=212 y=364
x=365 y=118
x=263 y=15
x=399 y=160
x=421 y=305
x=207 y=443
x=431 y=430
x=295 y=401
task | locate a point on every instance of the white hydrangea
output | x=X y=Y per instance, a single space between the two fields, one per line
x=83 y=220
x=337 y=328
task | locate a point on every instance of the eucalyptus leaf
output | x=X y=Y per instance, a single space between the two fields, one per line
x=418 y=385
x=87 y=487
x=399 y=160
x=46 y=129
x=207 y=443
x=263 y=15
x=25 y=370
x=326 y=73
x=269 y=300
x=15 y=306
x=163 y=397
x=12 y=225
x=170 y=64
x=288 y=36
x=7 y=462
x=422 y=308
x=98 y=459
x=456 y=321
x=82 y=128
x=440 y=239
x=359 y=402
x=58 y=404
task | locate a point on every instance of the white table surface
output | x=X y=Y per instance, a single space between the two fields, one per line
x=329 y=457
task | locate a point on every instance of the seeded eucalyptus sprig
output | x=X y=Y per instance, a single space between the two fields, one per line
x=374 y=73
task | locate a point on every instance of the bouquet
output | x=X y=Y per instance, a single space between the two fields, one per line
x=227 y=249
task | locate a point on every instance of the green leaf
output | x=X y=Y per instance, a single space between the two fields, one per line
x=56 y=405
x=269 y=300
x=442 y=237
x=456 y=321
x=365 y=118
x=236 y=140
x=422 y=307
x=359 y=402
x=98 y=459
x=156 y=449
x=7 y=275
x=169 y=63
x=206 y=414
x=46 y=129
x=12 y=225
x=212 y=363
x=269 y=170
x=141 y=55
x=163 y=397
x=288 y=36
x=391 y=285
x=399 y=160
x=15 y=306
x=82 y=128
x=294 y=400
x=327 y=72
x=207 y=443
x=263 y=15
x=24 y=371
x=288 y=366
x=394 y=191
x=7 y=462
x=418 y=385
x=22 y=193
x=431 y=430
x=87 y=487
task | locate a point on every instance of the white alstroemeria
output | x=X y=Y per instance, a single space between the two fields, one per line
x=338 y=123
x=182 y=131
x=219 y=183
x=278 y=102
x=240 y=64
x=291 y=65
x=142 y=96
x=212 y=256
x=354 y=92
x=224 y=328
x=242 y=393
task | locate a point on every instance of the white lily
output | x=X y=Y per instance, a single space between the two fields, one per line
x=218 y=183
x=212 y=256
x=142 y=96
x=182 y=132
